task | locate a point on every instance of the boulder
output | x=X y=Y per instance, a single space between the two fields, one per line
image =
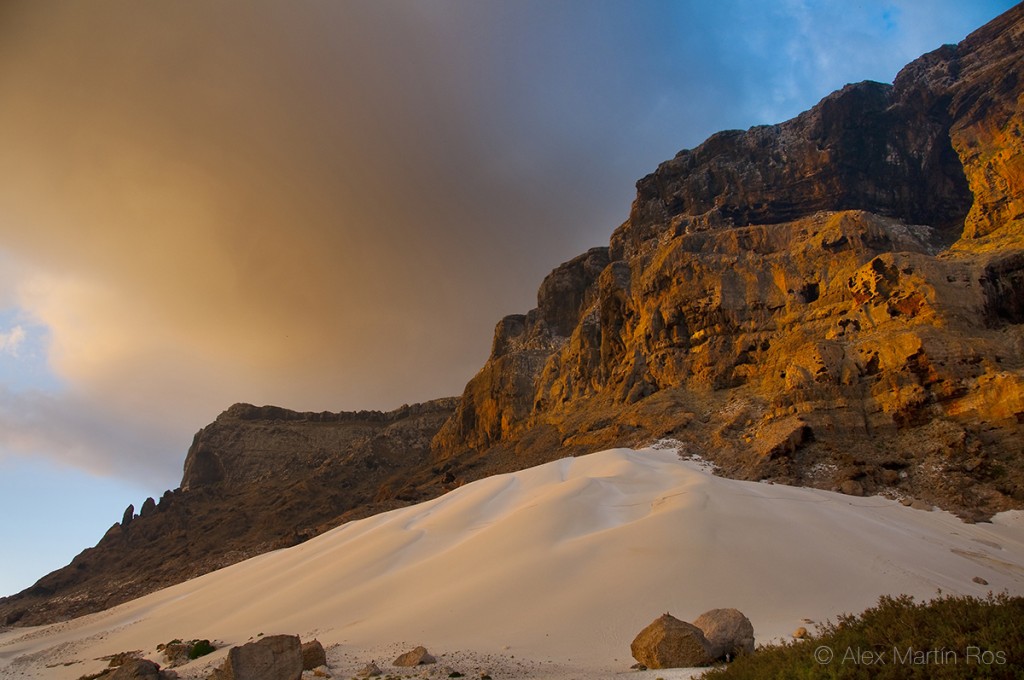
x=276 y=657
x=851 y=487
x=370 y=670
x=316 y=673
x=416 y=657
x=313 y=655
x=670 y=643
x=139 y=669
x=176 y=653
x=729 y=632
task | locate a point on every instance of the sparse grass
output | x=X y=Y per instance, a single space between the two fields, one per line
x=193 y=648
x=949 y=637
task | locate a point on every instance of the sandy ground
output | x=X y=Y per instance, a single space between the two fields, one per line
x=550 y=573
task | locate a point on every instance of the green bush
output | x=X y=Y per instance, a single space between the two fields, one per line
x=949 y=637
x=200 y=648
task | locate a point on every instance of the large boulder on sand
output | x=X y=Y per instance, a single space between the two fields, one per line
x=135 y=669
x=313 y=655
x=139 y=669
x=729 y=632
x=671 y=643
x=276 y=657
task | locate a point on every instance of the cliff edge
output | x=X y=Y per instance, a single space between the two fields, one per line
x=834 y=301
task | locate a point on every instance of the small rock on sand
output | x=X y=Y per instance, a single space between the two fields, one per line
x=416 y=657
x=370 y=670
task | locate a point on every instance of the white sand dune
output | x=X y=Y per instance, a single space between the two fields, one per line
x=559 y=566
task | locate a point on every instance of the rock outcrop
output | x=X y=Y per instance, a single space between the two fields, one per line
x=138 y=669
x=275 y=657
x=370 y=670
x=313 y=655
x=500 y=398
x=729 y=631
x=671 y=643
x=415 y=657
x=833 y=301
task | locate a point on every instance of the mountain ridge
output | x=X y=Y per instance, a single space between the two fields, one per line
x=833 y=301
x=777 y=286
x=255 y=479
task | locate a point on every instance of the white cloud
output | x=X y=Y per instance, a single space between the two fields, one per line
x=74 y=430
x=12 y=340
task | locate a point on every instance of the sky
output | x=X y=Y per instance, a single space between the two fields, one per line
x=329 y=205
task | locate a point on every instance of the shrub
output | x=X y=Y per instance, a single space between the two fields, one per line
x=948 y=637
x=200 y=648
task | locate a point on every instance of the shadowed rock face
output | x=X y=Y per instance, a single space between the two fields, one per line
x=833 y=301
x=256 y=479
x=868 y=146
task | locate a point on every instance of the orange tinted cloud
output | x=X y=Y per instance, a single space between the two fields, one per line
x=329 y=205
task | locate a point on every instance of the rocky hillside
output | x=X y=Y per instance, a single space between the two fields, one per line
x=834 y=301
x=256 y=479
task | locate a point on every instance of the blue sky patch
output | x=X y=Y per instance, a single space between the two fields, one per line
x=24 y=345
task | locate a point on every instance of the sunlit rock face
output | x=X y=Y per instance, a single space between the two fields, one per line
x=836 y=300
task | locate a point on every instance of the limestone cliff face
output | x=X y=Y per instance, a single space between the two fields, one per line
x=867 y=145
x=500 y=398
x=983 y=83
x=248 y=445
x=836 y=300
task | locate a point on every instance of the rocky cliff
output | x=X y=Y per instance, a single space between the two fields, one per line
x=256 y=479
x=835 y=301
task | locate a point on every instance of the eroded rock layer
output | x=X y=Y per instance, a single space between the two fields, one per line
x=835 y=300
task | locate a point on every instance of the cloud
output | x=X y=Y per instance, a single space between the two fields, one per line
x=82 y=433
x=329 y=206
x=12 y=340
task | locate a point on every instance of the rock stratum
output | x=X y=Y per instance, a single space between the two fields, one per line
x=835 y=301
